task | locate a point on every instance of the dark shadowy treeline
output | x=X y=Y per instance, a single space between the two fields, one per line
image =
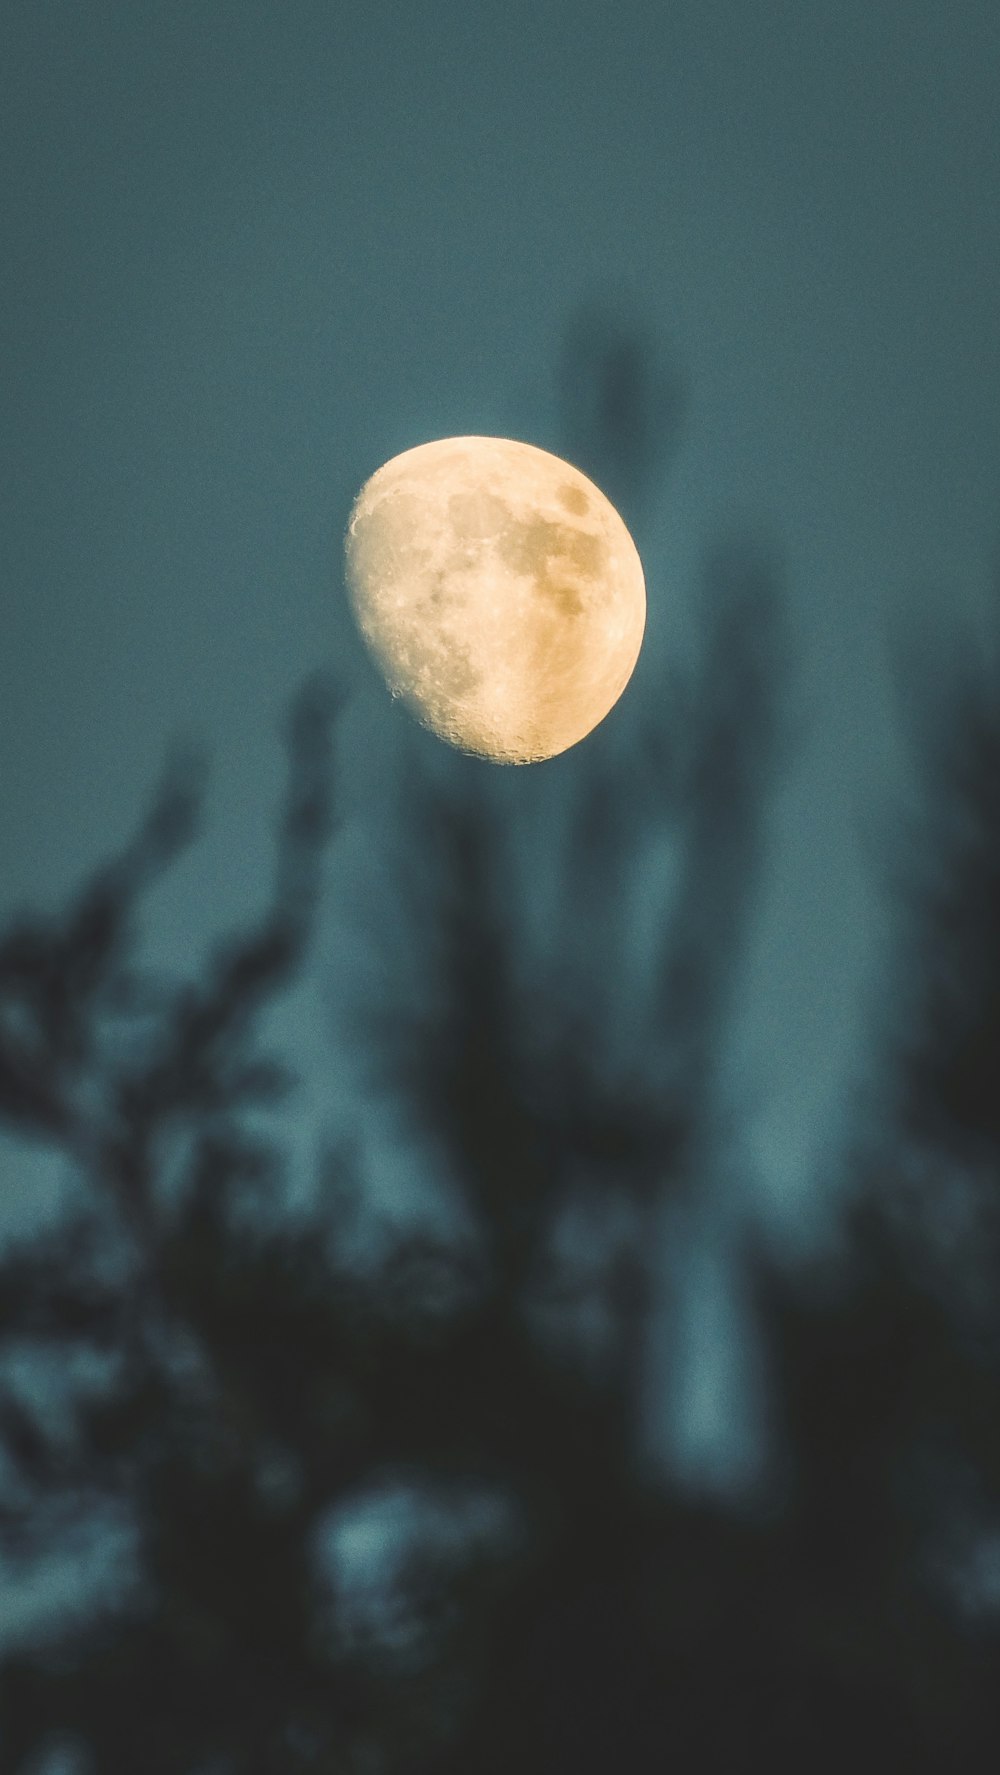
x=233 y=1383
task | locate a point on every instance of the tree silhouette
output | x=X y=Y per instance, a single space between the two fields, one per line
x=252 y=1384
x=940 y=1105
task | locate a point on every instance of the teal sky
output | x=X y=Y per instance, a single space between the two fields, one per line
x=249 y=251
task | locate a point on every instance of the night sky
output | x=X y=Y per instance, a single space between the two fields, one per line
x=252 y=250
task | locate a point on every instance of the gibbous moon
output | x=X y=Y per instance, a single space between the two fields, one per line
x=500 y=593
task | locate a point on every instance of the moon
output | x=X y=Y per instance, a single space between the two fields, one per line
x=500 y=593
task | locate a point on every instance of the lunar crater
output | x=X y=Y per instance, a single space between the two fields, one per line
x=573 y=498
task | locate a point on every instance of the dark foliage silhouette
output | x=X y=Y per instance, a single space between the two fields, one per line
x=252 y=1383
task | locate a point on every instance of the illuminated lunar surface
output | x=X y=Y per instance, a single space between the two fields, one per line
x=499 y=592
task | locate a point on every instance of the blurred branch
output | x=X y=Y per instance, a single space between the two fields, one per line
x=621 y=407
